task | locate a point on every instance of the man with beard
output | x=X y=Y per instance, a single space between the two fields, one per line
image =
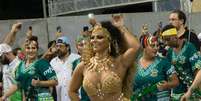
x=177 y=18
x=62 y=64
x=179 y=55
x=10 y=62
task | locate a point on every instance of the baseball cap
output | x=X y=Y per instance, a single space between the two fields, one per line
x=170 y=32
x=4 y=48
x=63 y=40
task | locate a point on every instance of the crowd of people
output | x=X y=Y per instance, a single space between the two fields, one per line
x=111 y=64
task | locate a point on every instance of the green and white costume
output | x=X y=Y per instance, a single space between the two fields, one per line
x=39 y=69
x=184 y=68
x=146 y=80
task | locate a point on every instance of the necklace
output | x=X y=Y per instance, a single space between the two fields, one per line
x=100 y=65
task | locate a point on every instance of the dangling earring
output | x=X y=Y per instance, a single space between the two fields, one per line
x=116 y=47
x=109 y=48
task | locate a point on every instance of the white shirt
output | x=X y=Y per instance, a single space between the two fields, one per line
x=9 y=74
x=63 y=69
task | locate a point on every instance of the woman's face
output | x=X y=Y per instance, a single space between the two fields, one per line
x=80 y=46
x=151 y=49
x=31 y=50
x=99 y=41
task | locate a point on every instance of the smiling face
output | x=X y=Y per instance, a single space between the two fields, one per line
x=100 y=41
x=31 y=50
x=80 y=46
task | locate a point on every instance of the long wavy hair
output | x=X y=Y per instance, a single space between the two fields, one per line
x=118 y=47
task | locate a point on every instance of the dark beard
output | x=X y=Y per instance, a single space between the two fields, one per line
x=4 y=61
x=173 y=44
x=60 y=54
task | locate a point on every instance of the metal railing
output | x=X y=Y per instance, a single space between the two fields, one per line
x=60 y=7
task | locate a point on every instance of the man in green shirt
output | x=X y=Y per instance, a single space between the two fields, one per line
x=179 y=55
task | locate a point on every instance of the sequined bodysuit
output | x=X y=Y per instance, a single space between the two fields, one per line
x=109 y=83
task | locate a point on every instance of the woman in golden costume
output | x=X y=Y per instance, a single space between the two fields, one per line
x=107 y=69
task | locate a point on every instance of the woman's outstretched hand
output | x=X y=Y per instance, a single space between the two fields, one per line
x=117 y=20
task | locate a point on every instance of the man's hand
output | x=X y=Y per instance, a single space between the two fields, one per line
x=35 y=82
x=16 y=27
x=50 y=53
x=29 y=32
x=186 y=96
x=3 y=98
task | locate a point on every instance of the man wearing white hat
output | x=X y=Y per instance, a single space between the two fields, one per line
x=11 y=62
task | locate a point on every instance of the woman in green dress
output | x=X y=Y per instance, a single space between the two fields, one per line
x=155 y=76
x=34 y=76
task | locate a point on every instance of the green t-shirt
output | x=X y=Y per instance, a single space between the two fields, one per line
x=183 y=66
x=39 y=69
